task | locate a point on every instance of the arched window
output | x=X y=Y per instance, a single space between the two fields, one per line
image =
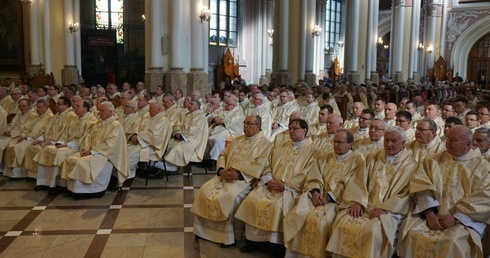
x=109 y=15
x=333 y=18
x=223 y=23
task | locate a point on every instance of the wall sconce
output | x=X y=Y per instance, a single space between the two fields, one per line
x=340 y=43
x=26 y=2
x=270 y=32
x=317 y=30
x=420 y=47
x=379 y=42
x=205 y=14
x=73 y=27
x=143 y=17
x=386 y=47
x=429 y=49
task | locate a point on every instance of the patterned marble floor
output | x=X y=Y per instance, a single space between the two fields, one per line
x=139 y=221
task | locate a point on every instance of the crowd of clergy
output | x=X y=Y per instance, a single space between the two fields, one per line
x=335 y=170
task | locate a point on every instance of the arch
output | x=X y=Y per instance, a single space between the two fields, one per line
x=462 y=47
x=384 y=26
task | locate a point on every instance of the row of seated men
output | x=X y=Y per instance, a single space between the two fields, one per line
x=42 y=145
x=311 y=201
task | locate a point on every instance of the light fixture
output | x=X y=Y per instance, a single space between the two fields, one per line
x=143 y=17
x=26 y=2
x=73 y=27
x=429 y=49
x=386 y=46
x=270 y=32
x=340 y=43
x=205 y=14
x=420 y=47
x=317 y=30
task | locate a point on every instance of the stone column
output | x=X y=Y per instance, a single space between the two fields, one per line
x=155 y=73
x=371 y=72
x=77 y=37
x=47 y=39
x=35 y=65
x=281 y=37
x=397 y=45
x=264 y=41
x=431 y=39
x=176 y=77
x=353 y=44
x=197 y=79
x=69 y=74
x=269 y=50
x=310 y=76
x=413 y=64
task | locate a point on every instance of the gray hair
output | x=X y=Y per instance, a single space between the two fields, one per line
x=398 y=130
x=108 y=104
x=485 y=131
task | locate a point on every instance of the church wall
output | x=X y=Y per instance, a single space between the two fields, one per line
x=57 y=35
x=294 y=42
x=407 y=46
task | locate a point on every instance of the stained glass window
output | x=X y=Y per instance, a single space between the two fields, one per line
x=109 y=15
x=223 y=23
x=332 y=30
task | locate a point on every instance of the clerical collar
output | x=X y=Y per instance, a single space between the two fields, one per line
x=486 y=153
x=296 y=145
x=341 y=158
x=391 y=158
x=331 y=136
x=107 y=120
x=356 y=119
x=462 y=157
x=362 y=130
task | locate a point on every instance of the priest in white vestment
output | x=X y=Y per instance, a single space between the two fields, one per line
x=308 y=225
x=452 y=207
x=375 y=202
x=280 y=186
x=239 y=166
x=103 y=148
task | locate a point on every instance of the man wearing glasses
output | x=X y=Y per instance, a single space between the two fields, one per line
x=279 y=187
x=404 y=120
x=240 y=165
x=375 y=141
x=426 y=142
x=484 y=112
x=361 y=131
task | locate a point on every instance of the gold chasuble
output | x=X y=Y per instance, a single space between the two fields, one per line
x=307 y=228
x=384 y=186
x=19 y=127
x=194 y=128
x=157 y=135
x=265 y=209
x=461 y=186
x=16 y=150
x=420 y=151
x=51 y=155
x=217 y=200
x=3 y=120
x=53 y=131
x=107 y=142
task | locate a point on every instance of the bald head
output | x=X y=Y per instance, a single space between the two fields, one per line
x=459 y=140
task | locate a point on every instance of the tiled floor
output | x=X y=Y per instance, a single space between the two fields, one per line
x=139 y=221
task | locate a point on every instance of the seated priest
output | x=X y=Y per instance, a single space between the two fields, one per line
x=189 y=139
x=226 y=121
x=308 y=225
x=280 y=186
x=51 y=157
x=375 y=202
x=240 y=165
x=19 y=126
x=452 y=202
x=149 y=144
x=88 y=172
x=16 y=149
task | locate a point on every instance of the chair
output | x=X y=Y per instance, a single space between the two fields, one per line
x=188 y=168
x=151 y=164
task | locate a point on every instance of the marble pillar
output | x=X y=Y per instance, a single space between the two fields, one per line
x=197 y=79
x=353 y=43
x=69 y=75
x=176 y=78
x=154 y=77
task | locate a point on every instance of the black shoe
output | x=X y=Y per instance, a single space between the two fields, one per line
x=30 y=179
x=16 y=178
x=83 y=196
x=68 y=194
x=41 y=188
x=155 y=173
x=58 y=190
x=249 y=247
x=279 y=251
x=226 y=246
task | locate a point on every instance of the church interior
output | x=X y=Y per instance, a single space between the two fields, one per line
x=195 y=45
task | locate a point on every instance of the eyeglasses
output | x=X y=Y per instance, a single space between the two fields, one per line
x=295 y=128
x=471 y=119
x=483 y=114
x=249 y=123
x=339 y=142
x=364 y=118
x=374 y=129
x=400 y=121
x=423 y=129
